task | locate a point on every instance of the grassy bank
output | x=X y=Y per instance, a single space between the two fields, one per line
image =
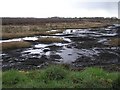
x=57 y=76
x=14 y=45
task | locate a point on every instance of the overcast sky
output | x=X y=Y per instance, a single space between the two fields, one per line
x=60 y=8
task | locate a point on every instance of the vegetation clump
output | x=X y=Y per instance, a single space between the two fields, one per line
x=115 y=42
x=55 y=73
x=51 y=40
x=14 y=45
x=18 y=31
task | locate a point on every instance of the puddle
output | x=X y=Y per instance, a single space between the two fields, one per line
x=30 y=38
x=41 y=45
x=59 y=44
x=47 y=45
x=11 y=40
x=33 y=51
x=20 y=39
x=2 y=54
x=68 y=55
x=109 y=35
x=52 y=31
x=79 y=31
x=114 y=26
x=66 y=39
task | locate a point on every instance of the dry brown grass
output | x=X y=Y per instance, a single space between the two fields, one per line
x=9 y=32
x=16 y=31
x=18 y=35
x=14 y=45
x=75 y=25
x=115 y=42
x=25 y=34
x=51 y=40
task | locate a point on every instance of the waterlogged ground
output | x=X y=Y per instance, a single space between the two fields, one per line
x=83 y=48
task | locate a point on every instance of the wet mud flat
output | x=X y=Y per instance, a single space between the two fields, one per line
x=83 y=48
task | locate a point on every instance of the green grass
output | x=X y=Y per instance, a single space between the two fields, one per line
x=58 y=76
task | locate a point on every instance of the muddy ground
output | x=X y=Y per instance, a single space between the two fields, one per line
x=83 y=48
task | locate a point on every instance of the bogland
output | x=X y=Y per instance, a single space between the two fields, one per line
x=60 y=52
